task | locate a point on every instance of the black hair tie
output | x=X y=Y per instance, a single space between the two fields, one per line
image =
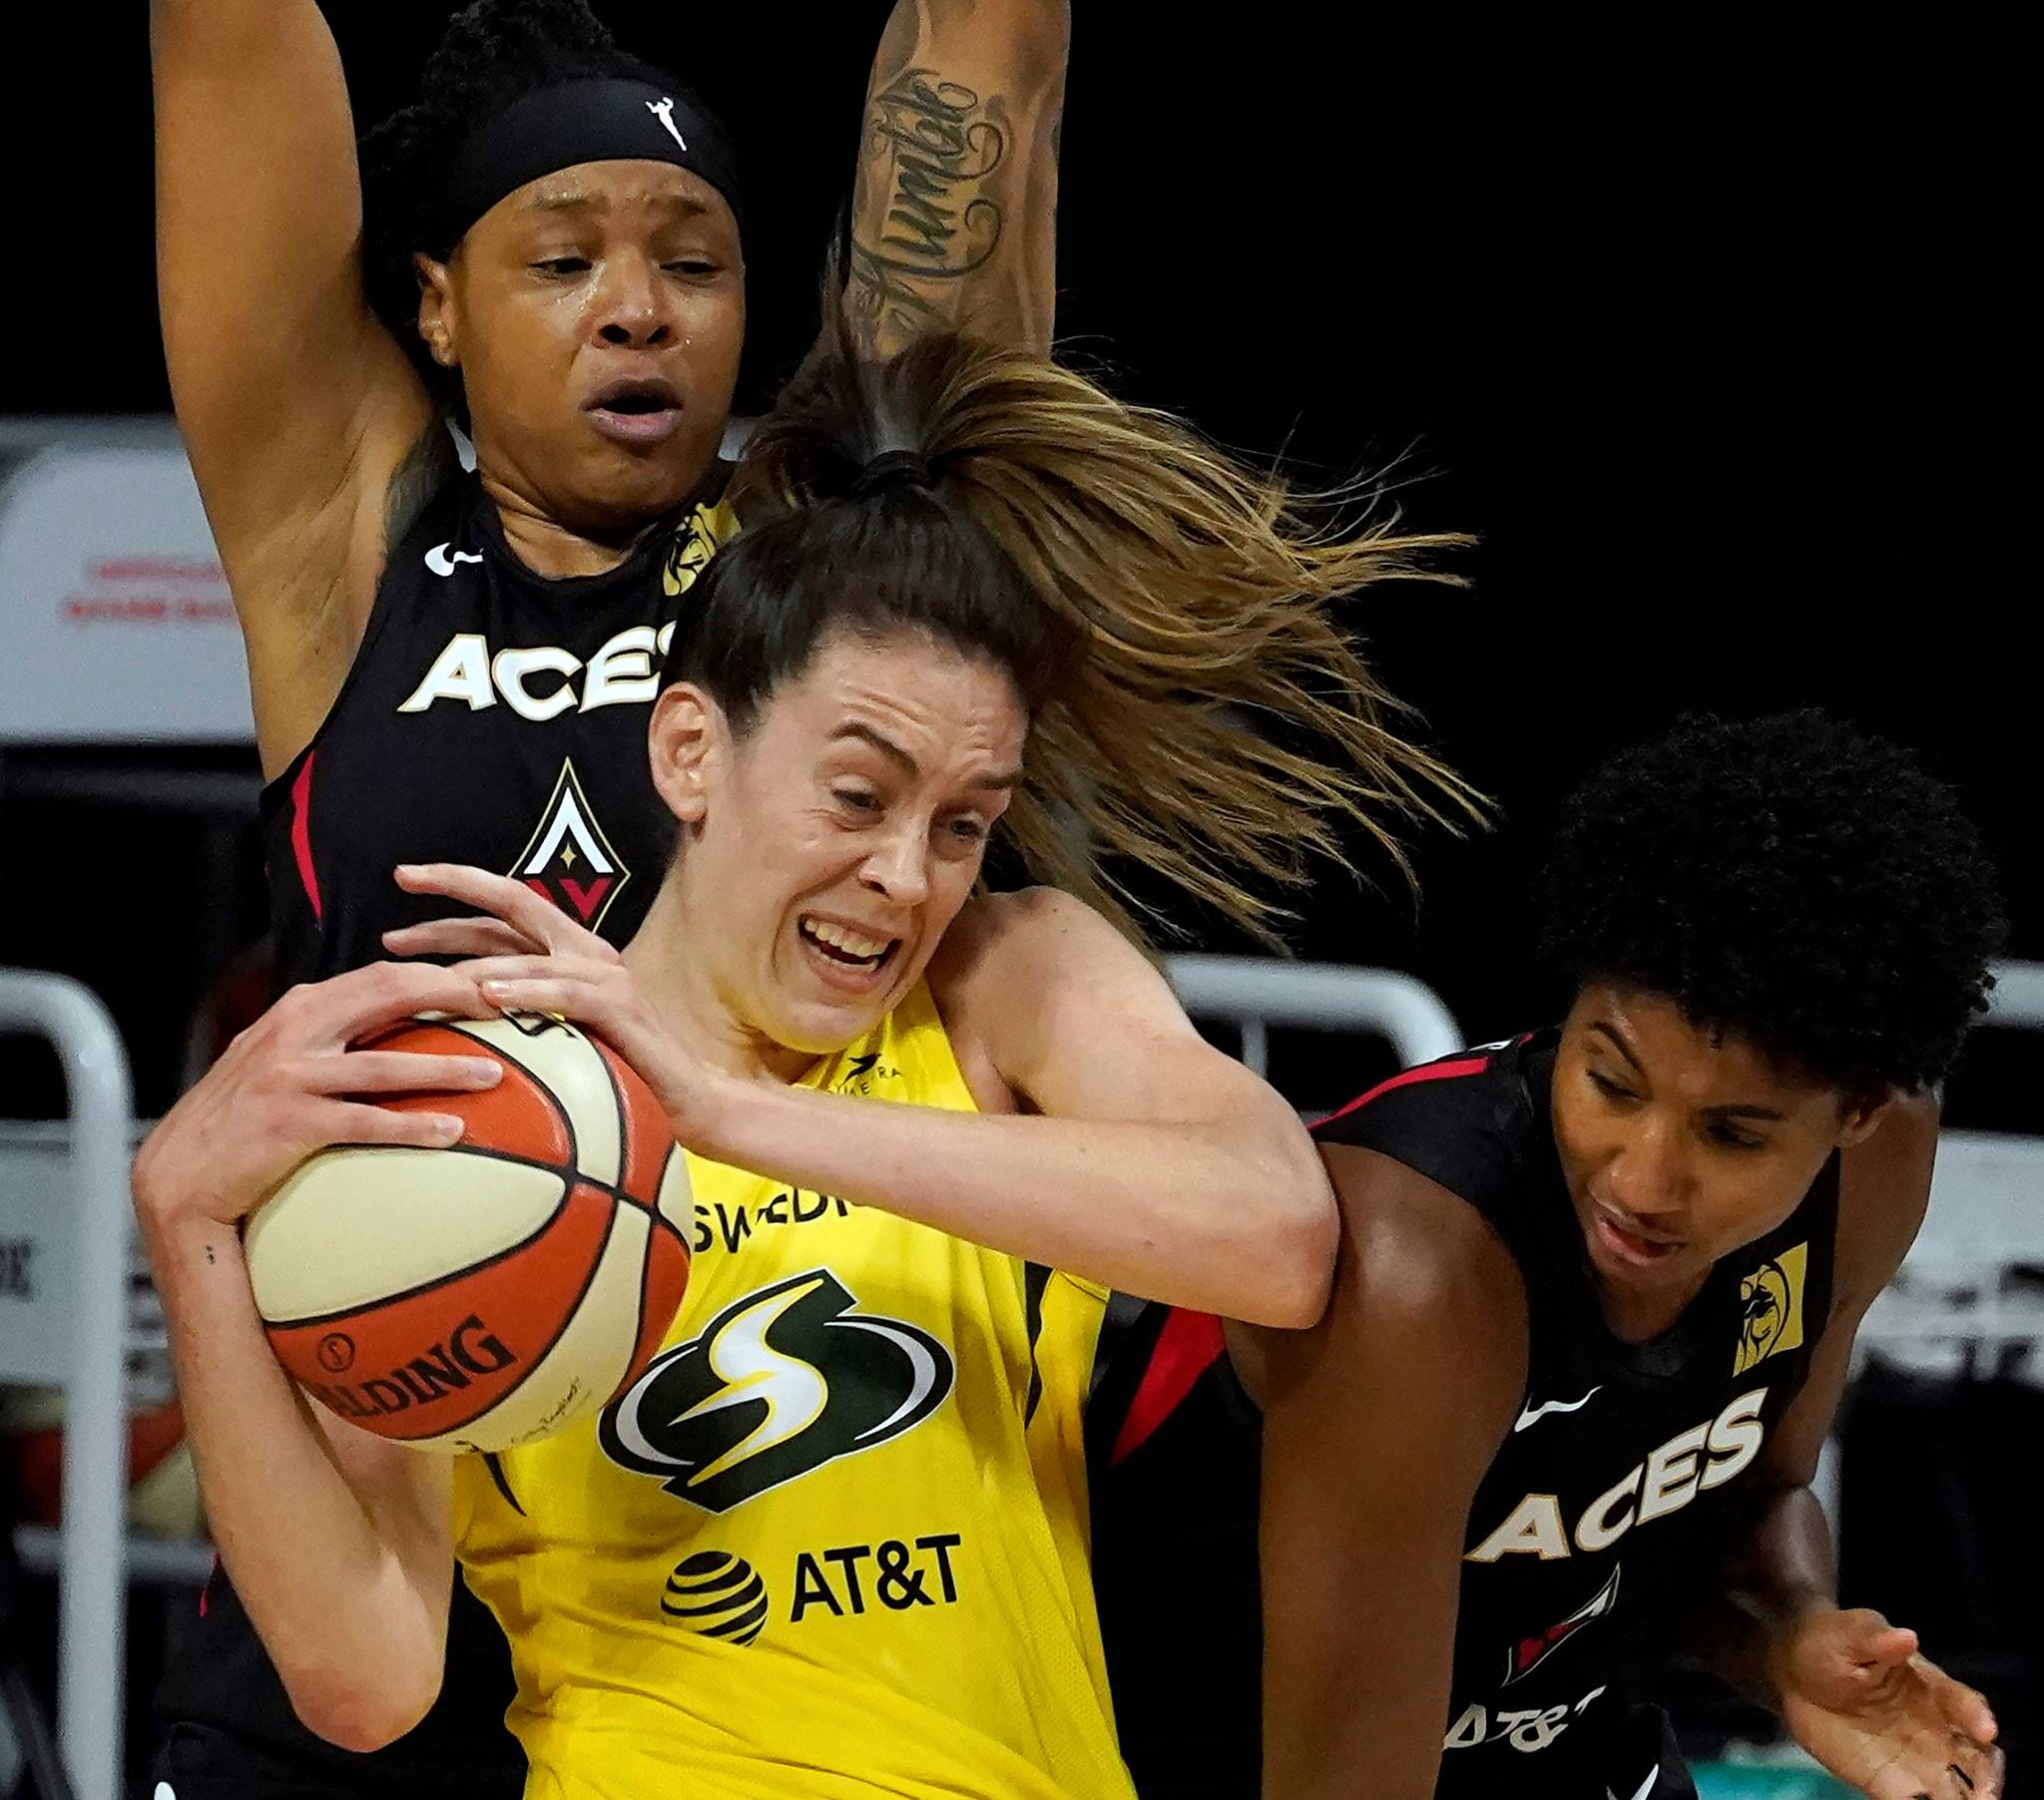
x=891 y=469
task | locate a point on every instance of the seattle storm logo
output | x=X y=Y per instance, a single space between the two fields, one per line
x=779 y=1383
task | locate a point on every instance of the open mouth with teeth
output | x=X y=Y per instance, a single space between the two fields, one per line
x=843 y=945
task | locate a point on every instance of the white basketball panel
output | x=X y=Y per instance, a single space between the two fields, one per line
x=362 y=1222
x=676 y=1200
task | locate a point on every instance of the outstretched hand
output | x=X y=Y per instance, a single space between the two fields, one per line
x=293 y=1082
x=529 y=957
x=1861 y=1699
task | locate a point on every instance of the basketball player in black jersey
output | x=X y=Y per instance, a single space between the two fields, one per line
x=461 y=667
x=1596 y=1305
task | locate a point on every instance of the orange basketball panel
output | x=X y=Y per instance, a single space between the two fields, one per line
x=516 y=1118
x=433 y=1360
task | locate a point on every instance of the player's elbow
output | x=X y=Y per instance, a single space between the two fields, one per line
x=1305 y=1273
x=365 y=1709
x=1043 y=26
x=1294 y=1250
x=1028 y=40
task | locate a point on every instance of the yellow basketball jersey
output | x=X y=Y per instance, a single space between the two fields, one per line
x=833 y=1542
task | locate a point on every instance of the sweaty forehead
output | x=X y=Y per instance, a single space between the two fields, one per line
x=612 y=190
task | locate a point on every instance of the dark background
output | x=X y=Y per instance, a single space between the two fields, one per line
x=1710 y=338
x=1710 y=330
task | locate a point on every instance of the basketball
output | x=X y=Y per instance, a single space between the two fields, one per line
x=483 y=1295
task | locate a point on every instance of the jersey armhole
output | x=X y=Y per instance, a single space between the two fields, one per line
x=277 y=792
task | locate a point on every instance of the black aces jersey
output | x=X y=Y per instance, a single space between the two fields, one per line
x=1627 y=1468
x=491 y=717
x=1607 y=1503
x=496 y=717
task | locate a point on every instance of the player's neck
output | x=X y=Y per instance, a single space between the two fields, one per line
x=1638 y=1318
x=551 y=549
x=680 y=989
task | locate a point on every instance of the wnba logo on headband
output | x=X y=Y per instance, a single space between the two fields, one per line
x=598 y=118
x=662 y=109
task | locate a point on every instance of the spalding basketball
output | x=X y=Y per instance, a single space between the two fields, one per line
x=481 y=1297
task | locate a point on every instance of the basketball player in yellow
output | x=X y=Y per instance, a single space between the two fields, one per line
x=833 y=1542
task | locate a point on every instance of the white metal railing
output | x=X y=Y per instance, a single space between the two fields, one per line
x=2018 y=997
x=92 y=1606
x=1255 y=992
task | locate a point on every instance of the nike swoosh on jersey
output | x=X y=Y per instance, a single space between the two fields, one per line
x=1534 y=1414
x=441 y=561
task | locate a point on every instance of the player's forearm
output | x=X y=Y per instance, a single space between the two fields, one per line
x=1229 y=1218
x=1780 y=1571
x=353 y=1639
x=1345 y=1712
x=954 y=208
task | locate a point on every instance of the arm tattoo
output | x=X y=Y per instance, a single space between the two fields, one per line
x=933 y=148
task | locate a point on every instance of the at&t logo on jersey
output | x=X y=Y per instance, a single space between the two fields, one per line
x=716 y=1594
x=1528 y=1730
x=778 y=1384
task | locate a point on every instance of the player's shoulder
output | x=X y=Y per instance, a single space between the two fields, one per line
x=1471 y=1123
x=1001 y=943
x=1884 y=1192
x=994 y=981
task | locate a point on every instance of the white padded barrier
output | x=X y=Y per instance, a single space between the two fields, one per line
x=63 y=1322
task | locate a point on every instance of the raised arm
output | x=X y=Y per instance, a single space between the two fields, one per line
x=339 y=1543
x=954 y=212
x=1379 y=1424
x=1849 y=1685
x=296 y=404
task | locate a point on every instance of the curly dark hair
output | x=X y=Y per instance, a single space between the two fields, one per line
x=494 y=52
x=1789 y=879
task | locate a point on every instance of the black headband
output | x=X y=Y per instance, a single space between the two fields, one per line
x=598 y=118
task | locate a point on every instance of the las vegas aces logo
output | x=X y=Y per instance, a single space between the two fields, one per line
x=568 y=859
x=779 y=1383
